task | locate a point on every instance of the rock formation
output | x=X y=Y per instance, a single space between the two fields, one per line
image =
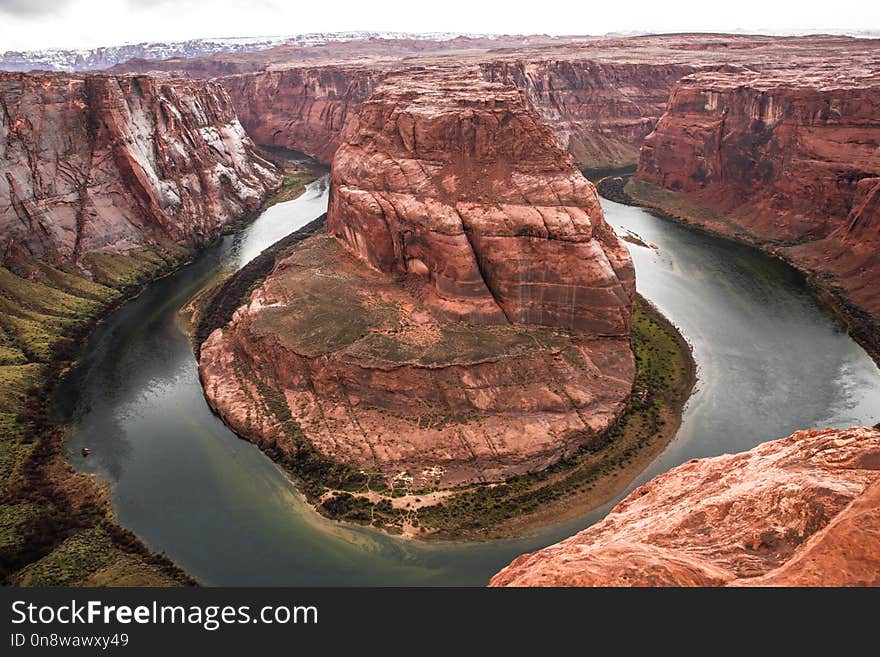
x=301 y=108
x=98 y=163
x=789 y=160
x=790 y=156
x=468 y=322
x=600 y=111
x=459 y=184
x=800 y=511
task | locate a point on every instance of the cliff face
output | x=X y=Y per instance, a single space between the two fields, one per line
x=600 y=111
x=105 y=183
x=790 y=156
x=450 y=201
x=301 y=109
x=801 y=511
x=790 y=159
x=458 y=184
x=108 y=164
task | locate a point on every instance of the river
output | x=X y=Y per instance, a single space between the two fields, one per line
x=770 y=361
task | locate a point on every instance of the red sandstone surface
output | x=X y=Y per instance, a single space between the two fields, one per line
x=600 y=111
x=95 y=163
x=303 y=109
x=470 y=322
x=800 y=511
x=458 y=184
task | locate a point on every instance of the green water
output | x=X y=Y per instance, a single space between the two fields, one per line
x=770 y=361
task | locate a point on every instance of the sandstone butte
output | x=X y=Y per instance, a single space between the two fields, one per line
x=800 y=511
x=107 y=164
x=465 y=318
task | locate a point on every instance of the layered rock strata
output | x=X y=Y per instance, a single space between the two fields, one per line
x=467 y=316
x=303 y=109
x=99 y=163
x=800 y=511
x=789 y=160
x=457 y=184
x=600 y=111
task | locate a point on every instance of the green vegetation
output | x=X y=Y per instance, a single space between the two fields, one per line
x=55 y=526
x=295 y=180
x=133 y=268
x=93 y=557
x=49 y=518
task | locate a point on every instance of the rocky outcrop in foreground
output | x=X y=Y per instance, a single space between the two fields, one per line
x=107 y=164
x=467 y=317
x=800 y=511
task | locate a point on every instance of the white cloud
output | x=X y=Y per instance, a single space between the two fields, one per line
x=87 y=23
x=33 y=7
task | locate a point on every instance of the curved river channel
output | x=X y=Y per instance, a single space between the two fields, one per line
x=770 y=361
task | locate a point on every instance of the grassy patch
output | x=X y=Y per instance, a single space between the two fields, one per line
x=329 y=315
x=94 y=557
x=133 y=268
x=295 y=180
x=679 y=206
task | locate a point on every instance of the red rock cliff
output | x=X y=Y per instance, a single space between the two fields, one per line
x=801 y=511
x=300 y=109
x=101 y=163
x=600 y=111
x=458 y=184
x=790 y=159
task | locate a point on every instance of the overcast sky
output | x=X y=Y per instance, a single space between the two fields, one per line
x=30 y=24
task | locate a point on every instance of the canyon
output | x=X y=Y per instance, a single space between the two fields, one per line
x=464 y=262
x=787 y=160
x=467 y=265
x=799 y=511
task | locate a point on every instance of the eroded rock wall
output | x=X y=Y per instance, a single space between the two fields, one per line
x=789 y=160
x=108 y=164
x=458 y=184
x=303 y=109
x=600 y=111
